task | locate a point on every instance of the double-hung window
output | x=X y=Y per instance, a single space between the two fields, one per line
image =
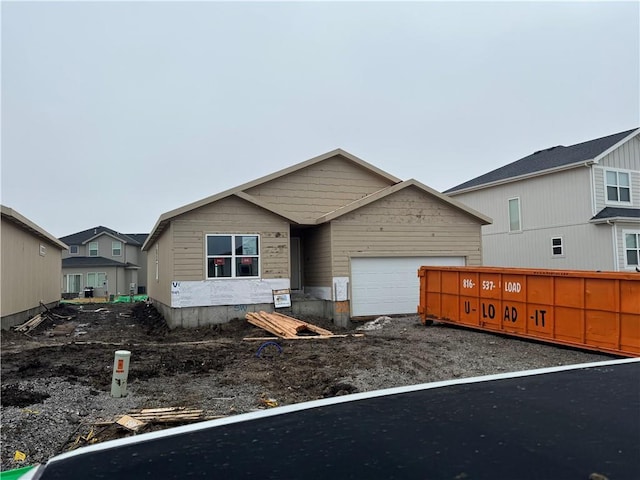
x=96 y=279
x=514 y=215
x=93 y=249
x=233 y=256
x=557 y=248
x=618 y=186
x=632 y=248
x=116 y=248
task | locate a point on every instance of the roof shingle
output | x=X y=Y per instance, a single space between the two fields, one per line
x=549 y=158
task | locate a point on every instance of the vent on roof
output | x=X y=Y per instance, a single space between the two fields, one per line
x=547 y=149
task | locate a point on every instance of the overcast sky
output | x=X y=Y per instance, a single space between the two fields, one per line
x=113 y=113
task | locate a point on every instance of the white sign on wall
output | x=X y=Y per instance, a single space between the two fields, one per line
x=237 y=291
x=340 y=289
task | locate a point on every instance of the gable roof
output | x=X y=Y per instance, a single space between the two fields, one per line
x=239 y=191
x=24 y=223
x=548 y=160
x=385 y=192
x=85 y=236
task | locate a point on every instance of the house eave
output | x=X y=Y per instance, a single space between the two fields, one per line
x=610 y=220
x=104 y=233
x=25 y=224
x=539 y=173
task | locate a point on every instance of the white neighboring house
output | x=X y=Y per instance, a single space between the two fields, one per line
x=575 y=207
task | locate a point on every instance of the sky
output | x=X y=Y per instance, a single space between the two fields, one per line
x=116 y=112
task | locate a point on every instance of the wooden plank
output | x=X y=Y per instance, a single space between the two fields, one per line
x=285 y=326
x=308 y=337
x=130 y=423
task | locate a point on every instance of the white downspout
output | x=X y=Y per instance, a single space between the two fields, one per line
x=616 y=260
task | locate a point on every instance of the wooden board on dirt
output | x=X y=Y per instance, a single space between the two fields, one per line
x=288 y=327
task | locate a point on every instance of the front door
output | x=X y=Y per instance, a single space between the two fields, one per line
x=296 y=264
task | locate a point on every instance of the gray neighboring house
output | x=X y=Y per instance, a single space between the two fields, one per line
x=104 y=260
x=30 y=269
x=346 y=235
x=575 y=207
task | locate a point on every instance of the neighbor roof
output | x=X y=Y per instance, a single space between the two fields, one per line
x=82 y=237
x=94 y=262
x=394 y=185
x=549 y=159
x=618 y=213
x=24 y=223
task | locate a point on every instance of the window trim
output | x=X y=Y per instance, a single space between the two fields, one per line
x=113 y=242
x=617 y=171
x=66 y=278
x=88 y=284
x=560 y=246
x=89 y=249
x=519 y=230
x=624 y=247
x=233 y=256
x=77 y=252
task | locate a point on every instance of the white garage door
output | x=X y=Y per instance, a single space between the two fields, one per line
x=390 y=285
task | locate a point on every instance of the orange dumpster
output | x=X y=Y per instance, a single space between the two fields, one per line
x=593 y=310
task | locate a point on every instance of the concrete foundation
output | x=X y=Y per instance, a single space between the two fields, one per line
x=192 y=317
x=14 y=319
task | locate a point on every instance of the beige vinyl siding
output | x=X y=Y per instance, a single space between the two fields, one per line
x=320 y=188
x=104 y=247
x=317 y=253
x=27 y=276
x=133 y=254
x=230 y=215
x=407 y=223
x=160 y=289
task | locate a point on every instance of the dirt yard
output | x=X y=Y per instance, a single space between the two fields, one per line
x=56 y=381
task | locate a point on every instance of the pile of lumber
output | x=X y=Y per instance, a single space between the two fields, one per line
x=133 y=422
x=30 y=324
x=286 y=327
x=33 y=322
x=168 y=415
x=138 y=419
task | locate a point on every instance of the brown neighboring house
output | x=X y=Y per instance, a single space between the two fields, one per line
x=31 y=266
x=334 y=228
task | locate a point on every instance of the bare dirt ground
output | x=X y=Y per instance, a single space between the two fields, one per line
x=56 y=381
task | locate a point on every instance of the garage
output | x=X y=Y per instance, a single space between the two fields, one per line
x=390 y=285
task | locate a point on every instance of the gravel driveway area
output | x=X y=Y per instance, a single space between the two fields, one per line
x=56 y=381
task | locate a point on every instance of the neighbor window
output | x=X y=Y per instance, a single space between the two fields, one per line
x=116 y=249
x=618 y=186
x=93 y=249
x=96 y=279
x=73 y=282
x=557 y=249
x=73 y=249
x=233 y=256
x=632 y=248
x=514 y=215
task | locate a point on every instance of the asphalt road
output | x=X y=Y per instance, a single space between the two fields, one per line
x=565 y=423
